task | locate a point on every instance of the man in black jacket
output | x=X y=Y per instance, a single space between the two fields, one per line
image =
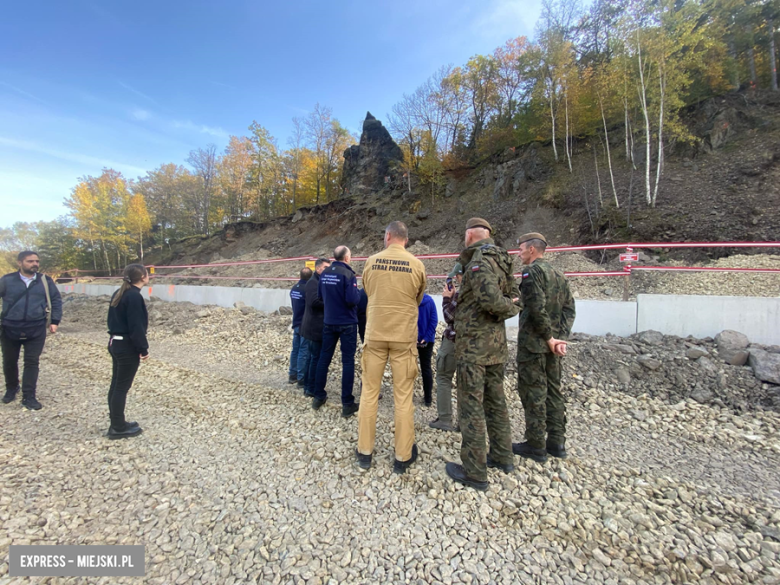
x=24 y=316
x=311 y=326
x=340 y=295
x=298 y=353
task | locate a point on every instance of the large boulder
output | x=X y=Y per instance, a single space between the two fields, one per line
x=766 y=366
x=651 y=337
x=732 y=347
x=375 y=162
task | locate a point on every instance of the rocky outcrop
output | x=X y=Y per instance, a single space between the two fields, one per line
x=374 y=163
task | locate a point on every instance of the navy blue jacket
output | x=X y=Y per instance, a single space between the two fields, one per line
x=298 y=300
x=311 y=327
x=427 y=319
x=25 y=306
x=338 y=289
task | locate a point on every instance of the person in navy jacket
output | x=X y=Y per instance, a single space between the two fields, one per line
x=427 y=320
x=298 y=301
x=339 y=292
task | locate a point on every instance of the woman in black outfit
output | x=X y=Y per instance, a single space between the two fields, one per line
x=127 y=323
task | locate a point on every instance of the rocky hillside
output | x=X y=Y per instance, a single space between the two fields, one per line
x=723 y=188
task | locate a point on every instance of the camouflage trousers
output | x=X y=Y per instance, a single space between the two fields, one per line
x=539 y=386
x=481 y=408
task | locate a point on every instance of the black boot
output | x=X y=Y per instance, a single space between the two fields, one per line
x=402 y=466
x=505 y=467
x=526 y=450
x=124 y=434
x=348 y=410
x=29 y=401
x=10 y=395
x=457 y=473
x=556 y=449
x=364 y=461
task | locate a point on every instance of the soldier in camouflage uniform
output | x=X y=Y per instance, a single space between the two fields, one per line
x=547 y=318
x=487 y=297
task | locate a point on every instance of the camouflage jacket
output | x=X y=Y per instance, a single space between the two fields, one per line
x=484 y=302
x=548 y=307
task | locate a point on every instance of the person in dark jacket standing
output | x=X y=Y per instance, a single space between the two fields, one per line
x=427 y=320
x=298 y=301
x=127 y=324
x=446 y=364
x=26 y=309
x=311 y=326
x=362 y=314
x=338 y=290
x=544 y=325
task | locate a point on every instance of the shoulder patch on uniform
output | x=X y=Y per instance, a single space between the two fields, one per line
x=475 y=268
x=526 y=275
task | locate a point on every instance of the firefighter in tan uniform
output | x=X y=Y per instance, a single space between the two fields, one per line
x=395 y=282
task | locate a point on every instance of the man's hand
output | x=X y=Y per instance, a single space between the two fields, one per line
x=144 y=357
x=557 y=346
x=448 y=292
x=53 y=328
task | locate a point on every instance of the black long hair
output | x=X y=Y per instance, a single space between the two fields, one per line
x=132 y=274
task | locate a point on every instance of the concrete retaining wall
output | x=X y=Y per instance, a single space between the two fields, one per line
x=706 y=316
x=681 y=315
x=262 y=299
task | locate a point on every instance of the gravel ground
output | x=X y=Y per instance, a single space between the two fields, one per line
x=236 y=479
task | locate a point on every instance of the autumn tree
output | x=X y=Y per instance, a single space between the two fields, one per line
x=204 y=164
x=137 y=220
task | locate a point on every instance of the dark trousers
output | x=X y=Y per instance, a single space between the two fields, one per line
x=32 y=353
x=125 y=365
x=426 y=353
x=312 y=358
x=539 y=386
x=483 y=415
x=331 y=334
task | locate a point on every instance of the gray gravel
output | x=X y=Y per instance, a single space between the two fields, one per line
x=236 y=479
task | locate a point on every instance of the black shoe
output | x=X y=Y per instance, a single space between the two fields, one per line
x=316 y=403
x=292 y=379
x=10 y=395
x=505 y=467
x=128 y=432
x=349 y=409
x=525 y=450
x=429 y=403
x=129 y=425
x=457 y=473
x=307 y=393
x=363 y=461
x=30 y=403
x=300 y=384
x=443 y=426
x=557 y=450
x=402 y=466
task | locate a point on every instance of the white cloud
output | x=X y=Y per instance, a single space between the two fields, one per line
x=201 y=128
x=83 y=159
x=23 y=93
x=140 y=114
x=136 y=92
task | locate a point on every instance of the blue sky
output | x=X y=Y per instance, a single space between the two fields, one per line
x=132 y=85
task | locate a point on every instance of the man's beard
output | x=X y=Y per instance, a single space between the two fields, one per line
x=32 y=270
